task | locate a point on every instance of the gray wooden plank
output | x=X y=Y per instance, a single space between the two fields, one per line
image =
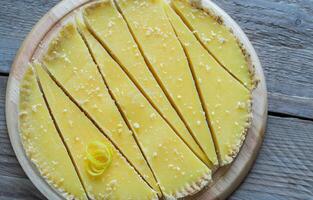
x=291 y=105
x=283 y=170
x=14 y=184
x=284 y=167
x=9 y=165
x=17 y=19
x=18 y=188
x=281 y=32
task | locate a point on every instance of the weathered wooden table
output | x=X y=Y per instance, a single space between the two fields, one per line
x=282 y=33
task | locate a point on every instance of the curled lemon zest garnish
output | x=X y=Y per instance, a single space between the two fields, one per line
x=99 y=157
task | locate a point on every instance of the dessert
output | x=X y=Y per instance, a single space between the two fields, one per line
x=136 y=99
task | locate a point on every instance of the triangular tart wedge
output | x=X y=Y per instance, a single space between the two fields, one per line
x=217 y=39
x=42 y=143
x=165 y=56
x=71 y=65
x=111 y=30
x=227 y=102
x=104 y=172
x=178 y=170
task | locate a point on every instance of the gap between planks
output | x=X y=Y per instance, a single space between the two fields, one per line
x=4 y=74
x=284 y=115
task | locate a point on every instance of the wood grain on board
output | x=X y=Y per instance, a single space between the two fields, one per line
x=14 y=184
x=16 y=21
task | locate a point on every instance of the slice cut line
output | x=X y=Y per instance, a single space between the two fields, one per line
x=108 y=26
x=159 y=45
x=229 y=109
x=217 y=39
x=176 y=168
x=119 y=180
x=36 y=127
x=69 y=63
x=85 y=34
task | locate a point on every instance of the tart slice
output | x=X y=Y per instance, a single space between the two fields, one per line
x=37 y=130
x=71 y=65
x=178 y=171
x=166 y=58
x=104 y=172
x=217 y=39
x=111 y=30
x=227 y=102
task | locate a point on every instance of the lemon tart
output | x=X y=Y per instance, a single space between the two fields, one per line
x=136 y=99
x=37 y=130
x=155 y=36
x=108 y=26
x=104 y=172
x=227 y=102
x=178 y=171
x=217 y=39
x=69 y=62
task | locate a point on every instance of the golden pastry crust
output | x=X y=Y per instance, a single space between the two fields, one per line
x=191 y=188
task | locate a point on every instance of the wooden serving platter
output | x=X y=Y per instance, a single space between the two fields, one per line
x=225 y=180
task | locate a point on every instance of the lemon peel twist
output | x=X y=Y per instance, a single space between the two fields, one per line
x=99 y=158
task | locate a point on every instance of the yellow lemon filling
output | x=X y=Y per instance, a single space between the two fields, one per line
x=109 y=27
x=42 y=142
x=165 y=152
x=165 y=55
x=229 y=108
x=71 y=65
x=116 y=179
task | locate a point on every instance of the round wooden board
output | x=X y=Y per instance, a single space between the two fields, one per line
x=225 y=180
